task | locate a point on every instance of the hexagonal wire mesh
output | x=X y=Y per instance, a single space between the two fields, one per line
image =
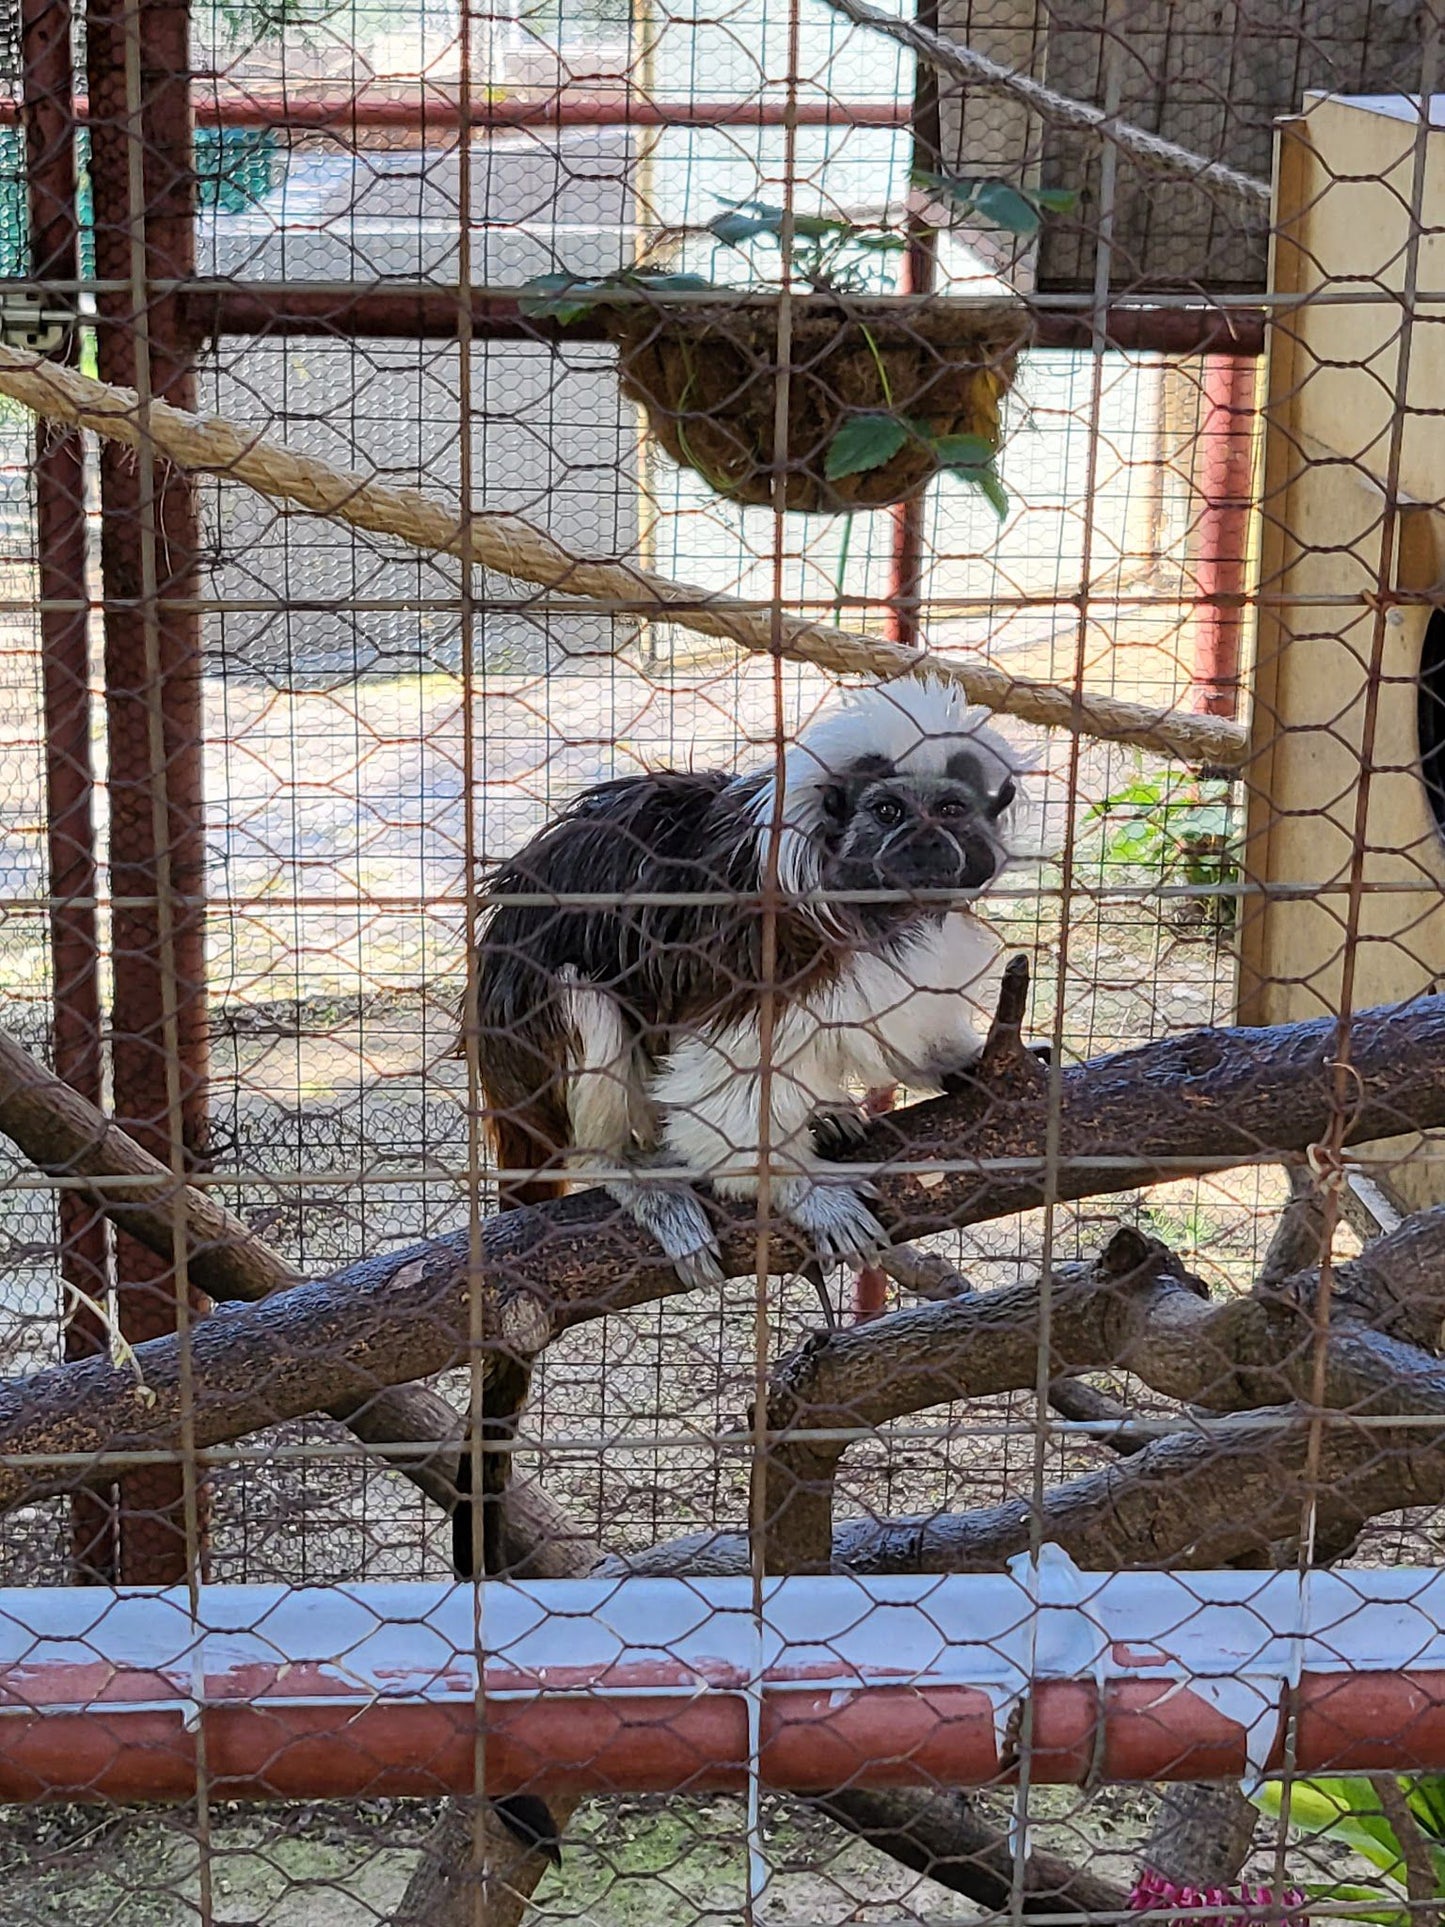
x=805 y=336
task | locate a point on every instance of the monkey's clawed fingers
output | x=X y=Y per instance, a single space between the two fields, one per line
x=674 y=1218
x=838 y=1225
x=838 y=1130
x=835 y=1221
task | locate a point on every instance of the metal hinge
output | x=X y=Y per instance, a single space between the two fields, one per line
x=28 y=320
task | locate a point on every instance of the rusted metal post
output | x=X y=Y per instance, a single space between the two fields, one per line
x=920 y=275
x=665 y=1684
x=144 y=188
x=48 y=112
x=1226 y=486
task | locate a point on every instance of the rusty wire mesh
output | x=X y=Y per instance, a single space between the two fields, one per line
x=757 y=301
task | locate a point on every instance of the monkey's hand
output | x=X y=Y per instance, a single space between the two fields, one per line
x=839 y=1227
x=838 y=1129
x=673 y=1217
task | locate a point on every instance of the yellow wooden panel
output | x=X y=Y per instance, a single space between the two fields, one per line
x=1339 y=831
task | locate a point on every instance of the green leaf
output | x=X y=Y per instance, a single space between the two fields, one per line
x=864 y=442
x=1371 y=1899
x=735 y=227
x=963 y=451
x=1054 y=200
x=558 y=297
x=971 y=459
x=986 y=481
x=817 y=227
x=881 y=243
x=1426 y=1795
x=1199 y=820
x=656 y=282
x=771 y=220
x=984 y=477
x=1133 y=843
x=1347 y=1809
x=1006 y=207
x=1015 y=209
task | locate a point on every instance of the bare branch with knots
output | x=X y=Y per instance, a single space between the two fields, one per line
x=1193 y=1103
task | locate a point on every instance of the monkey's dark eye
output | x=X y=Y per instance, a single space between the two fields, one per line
x=951 y=807
x=888 y=811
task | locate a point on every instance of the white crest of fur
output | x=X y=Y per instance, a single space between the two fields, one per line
x=917 y=723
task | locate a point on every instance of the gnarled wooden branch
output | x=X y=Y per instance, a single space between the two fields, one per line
x=1135 y=1307
x=973 y=1347
x=1224 y=1493
x=1192 y=1103
x=63 y=1134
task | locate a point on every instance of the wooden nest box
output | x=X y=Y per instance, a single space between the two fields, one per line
x=1345 y=828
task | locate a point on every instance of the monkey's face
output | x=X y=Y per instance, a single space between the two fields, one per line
x=912 y=833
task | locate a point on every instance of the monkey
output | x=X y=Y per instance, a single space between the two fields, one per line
x=621 y=969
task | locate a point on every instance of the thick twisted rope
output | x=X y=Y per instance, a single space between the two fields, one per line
x=1249 y=196
x=512 y=547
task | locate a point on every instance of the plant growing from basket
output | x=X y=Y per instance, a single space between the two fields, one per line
x=879 y=401
x=1176 y=827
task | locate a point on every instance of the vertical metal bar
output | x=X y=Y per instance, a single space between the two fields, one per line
x=1226 y=485
x=48 y=113
x=132 y=323
x=644 y=201
x=920 y=275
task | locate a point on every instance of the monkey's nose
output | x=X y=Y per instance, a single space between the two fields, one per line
x=980 y=865
x=934 y=850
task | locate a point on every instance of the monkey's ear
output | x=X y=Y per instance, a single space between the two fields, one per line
x=834 y=801
x=1007 y=791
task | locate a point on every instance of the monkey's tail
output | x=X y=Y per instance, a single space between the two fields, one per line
x=522 y=1141
x=526 y=1817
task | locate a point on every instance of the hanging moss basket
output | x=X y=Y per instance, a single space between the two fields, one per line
x=879 y=401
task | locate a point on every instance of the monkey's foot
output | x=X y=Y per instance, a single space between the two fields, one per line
x=675 y=1220
x=838 y=1225
x=838 y=1129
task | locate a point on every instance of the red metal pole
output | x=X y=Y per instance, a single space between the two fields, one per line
x=1226 y=485
x=920 y=276
x=148 y=640
x=47 y=109
x=374 y=1692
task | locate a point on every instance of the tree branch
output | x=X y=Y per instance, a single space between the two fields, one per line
x=974 y=1347
x=1201 y=1836
x=63 y=1134
x=1420 y=1882
x=1227 y=1492
x=946 y=1837
x=454 y=1884
x=1192 y=1103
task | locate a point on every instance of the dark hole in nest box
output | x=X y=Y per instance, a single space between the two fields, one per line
x=1430 y=714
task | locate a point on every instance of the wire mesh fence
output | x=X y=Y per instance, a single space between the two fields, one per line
x=720 y=742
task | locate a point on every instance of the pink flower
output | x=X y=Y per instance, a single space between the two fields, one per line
x=1248 y=1908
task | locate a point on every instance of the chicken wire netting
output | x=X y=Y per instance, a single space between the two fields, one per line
x=808 y=308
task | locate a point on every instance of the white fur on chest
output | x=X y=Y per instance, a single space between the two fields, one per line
x=910 y=1017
